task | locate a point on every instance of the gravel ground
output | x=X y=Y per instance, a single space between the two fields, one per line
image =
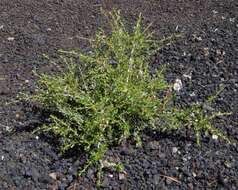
x=205 y=59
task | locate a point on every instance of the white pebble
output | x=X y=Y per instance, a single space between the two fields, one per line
x=2 y=157
x=187 y=76
x=10 y=38
x=177 y=85
x=122 y=176
x=215 y=137
x=174 y=150
x=199 y=38
x=215 y=12
x=232 y=19
x=110 y=175
x=1 y=27
x=192 y=94
x=37 y=137
x=8 y=129
x=53 y=175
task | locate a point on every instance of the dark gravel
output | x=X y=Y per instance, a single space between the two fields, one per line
x=205 y=59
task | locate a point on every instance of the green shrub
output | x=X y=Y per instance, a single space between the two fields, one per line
x=113 y=96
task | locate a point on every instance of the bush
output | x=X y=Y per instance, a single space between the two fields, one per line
x=113 y=96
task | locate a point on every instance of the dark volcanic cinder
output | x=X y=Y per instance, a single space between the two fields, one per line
x=204 y=59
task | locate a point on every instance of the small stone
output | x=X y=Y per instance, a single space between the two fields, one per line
x=53 y=175
x=215 y=137
x=70 y=178
x=214 y=12
x=37 y=137
x=122 y=176
x=105 y=182
x=190 y=186
x=2 y=158
x=187 y=76
x=17 y=115
x=1 y=27
x=110 y=175
x=177 y=85
x=90 y=173
x=125 y=152
x=10 y=38
x=156 y=179
x=62 y=186
x=27 y=81
x=194 y=174
x=23 y=159
x=168 y=181
x=228 y=164
x=35 y=174
x=154 y=145
x=162 y=155
x=192 y=94
x=198 y=38
x=8 y=129
x=174 y=150
x=232 y=19
x=206 y=52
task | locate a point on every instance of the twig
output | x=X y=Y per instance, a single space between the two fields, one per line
x=171 y=178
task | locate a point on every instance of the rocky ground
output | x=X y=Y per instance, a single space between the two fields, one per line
x=205 y=59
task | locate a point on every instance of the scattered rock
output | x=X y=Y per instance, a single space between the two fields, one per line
x=194 y=174
x=53 y=175
x=90 y=173
x=232 y=19
x=10 y=38
x=187 y=76
x=122 y=176
x=105 y=182
x=228 y=164
x=174 y=150
x=206 y=52
x=8 y=128
x=177 y=85
x=153 y=145
x=215 y=137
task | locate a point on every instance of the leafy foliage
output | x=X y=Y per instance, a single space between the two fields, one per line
x=113 y=96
